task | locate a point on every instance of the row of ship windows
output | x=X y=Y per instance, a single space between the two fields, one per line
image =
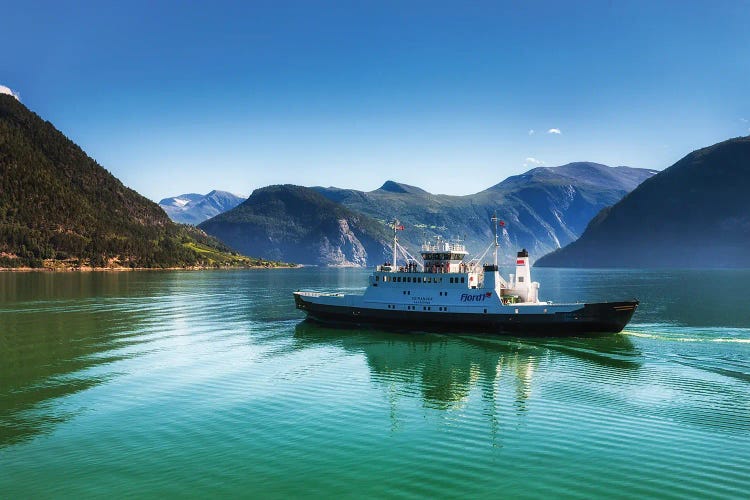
x=428 y=308
x=424 y=308
x=408 y=292
x=419 y=279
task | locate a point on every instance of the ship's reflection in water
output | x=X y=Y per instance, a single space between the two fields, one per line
x=446 y=370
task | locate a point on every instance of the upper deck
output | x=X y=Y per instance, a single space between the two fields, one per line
x=444 y=247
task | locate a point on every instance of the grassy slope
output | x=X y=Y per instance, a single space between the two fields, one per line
x=58 y=207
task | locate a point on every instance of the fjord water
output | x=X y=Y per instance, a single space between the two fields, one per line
x=196 y=383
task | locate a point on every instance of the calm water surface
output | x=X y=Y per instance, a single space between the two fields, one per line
x=196 y=383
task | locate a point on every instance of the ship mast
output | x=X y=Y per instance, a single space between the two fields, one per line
x=497 y=244
x=396 y=227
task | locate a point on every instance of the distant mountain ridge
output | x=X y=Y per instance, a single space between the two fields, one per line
x=297 y=224
x=693 y=214
x=60 y=208
x=193 y=208
x=544 y=208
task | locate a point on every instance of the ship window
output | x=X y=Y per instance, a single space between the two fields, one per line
x=451 y=280
x=485 y=311
x=520 y=279
x=463 y=280
x=377 y=278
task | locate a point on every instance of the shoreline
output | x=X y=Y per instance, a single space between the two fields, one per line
x=89 y=269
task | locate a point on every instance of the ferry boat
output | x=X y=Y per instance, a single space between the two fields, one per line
x=447 y=293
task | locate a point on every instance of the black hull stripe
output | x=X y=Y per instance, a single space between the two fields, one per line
x=606 y=317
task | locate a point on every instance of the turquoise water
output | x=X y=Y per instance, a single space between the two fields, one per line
x=198 y=383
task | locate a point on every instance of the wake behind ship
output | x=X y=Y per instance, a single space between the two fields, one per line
x=445 y=293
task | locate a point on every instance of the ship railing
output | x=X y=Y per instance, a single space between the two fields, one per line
x=436 y=269
x=321 y=294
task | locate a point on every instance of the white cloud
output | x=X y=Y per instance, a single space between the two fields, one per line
x=532 y=161
x=531 y=131
x=743 y=120
x=7 y=90
x=554 y=131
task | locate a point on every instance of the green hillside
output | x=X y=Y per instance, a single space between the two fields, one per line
x=298 y=224
x=58 y=207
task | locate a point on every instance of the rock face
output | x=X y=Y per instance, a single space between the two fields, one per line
x=58 y=204
x=192 y=208
x=544 y=208
x=297 y=224
x=692 y=215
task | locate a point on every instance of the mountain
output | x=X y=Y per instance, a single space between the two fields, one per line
x=297 y=224
x=544 y=208
x=194 y=208
x=59 y=208
x=692 y=215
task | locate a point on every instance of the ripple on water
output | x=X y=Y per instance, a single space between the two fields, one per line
x=207 y=383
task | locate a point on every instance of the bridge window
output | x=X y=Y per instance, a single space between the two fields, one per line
x=520 y=279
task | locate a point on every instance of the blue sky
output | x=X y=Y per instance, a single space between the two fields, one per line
x=192 y=96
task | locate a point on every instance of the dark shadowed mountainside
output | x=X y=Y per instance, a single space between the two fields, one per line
x=297 y=224
x=544 y=208
x=194 y=208
x=58 y=207
x=695 y=214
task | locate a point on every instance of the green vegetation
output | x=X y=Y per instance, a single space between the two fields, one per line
x=295 y=223
x=59 y=208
